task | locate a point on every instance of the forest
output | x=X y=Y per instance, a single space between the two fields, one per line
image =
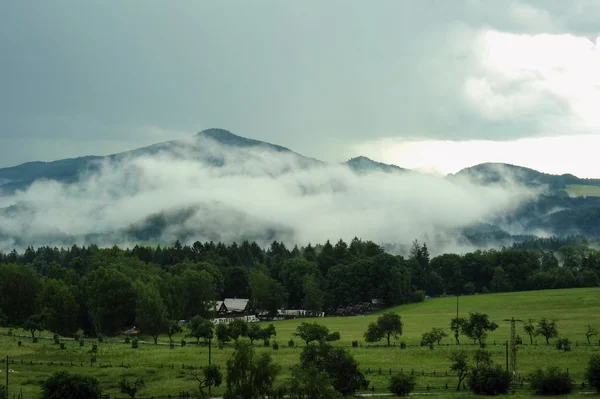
x=100 y=290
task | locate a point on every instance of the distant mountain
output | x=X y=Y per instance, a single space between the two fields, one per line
x=70 y=170
x=489 y=173
x=363 y=164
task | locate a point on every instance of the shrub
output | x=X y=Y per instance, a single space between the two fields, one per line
x=418 y=296
x=334 y=336
x=551 y=382
x=291 y=343
x=19 y=343
x=77 y=335
x=489 y=380
x=402 y=384
x=34 y=340
x=275 y=346
x=81 y=343
x=70 y=386
x=355 y=344
x=94 y=348
x=402 y=345
x=563 y=344
x=171 y=345
x=592 y=372
x=183 y=343
x=62 y=346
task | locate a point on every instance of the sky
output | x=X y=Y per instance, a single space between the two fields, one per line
x=429 y=84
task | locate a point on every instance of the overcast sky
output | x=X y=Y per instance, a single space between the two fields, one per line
x=428 y=84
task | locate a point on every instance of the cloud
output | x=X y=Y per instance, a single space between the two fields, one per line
x=260 y=195
x=552 y=79
x=557 y=155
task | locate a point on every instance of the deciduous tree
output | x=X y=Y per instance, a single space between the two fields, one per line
x=547 y=329
x=478 y=326
x=388 y=325
x=309 y=332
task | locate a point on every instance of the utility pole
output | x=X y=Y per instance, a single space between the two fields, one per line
x=513 y=348
x=457 y=306
x=6 y=375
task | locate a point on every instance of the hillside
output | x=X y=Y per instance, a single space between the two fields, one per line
x=490 y=173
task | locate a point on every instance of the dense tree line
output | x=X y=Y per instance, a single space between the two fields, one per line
x=103 y=291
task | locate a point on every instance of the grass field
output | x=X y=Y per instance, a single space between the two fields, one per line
x=161 y=367
x=581 y=190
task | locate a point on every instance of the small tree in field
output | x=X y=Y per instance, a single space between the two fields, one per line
x=460 y=365
x=530 y=330
x=172 y=328
x=222 y=334
x=388 y=325
x=547 y=329
x=478 y=326
x=457 y=326
x=131 y=387
x=591 y=332
x=200 y=328
x=309 y=332
x=34 y=323
x=208 y=377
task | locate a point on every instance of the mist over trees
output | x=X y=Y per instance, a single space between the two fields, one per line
x=104 y=291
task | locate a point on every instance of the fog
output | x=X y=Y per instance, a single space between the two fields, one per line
x=256 y=194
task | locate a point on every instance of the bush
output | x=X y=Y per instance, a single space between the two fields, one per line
x=402 y=345
x=355 y=344
x=402 y=384
x=65 y=385
x=81 y=343
x=489 y=380
x=551 y=382
x=291 y=343
x=592 y=372
x=77 y=335
x=94 y=348
x=418 y=296
x=275 y=346
x=334 y=336
x=563 y=344
x=171 y=345
x=183 y=343
x=19 y=343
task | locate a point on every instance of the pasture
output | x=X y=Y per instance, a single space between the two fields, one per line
x=166 y=371
x=581 y=190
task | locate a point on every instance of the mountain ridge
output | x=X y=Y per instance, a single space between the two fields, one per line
x=31 y=170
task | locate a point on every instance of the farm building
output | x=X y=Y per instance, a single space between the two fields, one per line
x=233 y=307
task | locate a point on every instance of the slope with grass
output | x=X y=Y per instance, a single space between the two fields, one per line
x=166 y=372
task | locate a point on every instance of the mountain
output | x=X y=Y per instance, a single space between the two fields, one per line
x=490 y=173
x=363 y=164
x=71 y=170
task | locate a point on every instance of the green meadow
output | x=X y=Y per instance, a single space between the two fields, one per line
x=166 y=371
x=581 y=190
